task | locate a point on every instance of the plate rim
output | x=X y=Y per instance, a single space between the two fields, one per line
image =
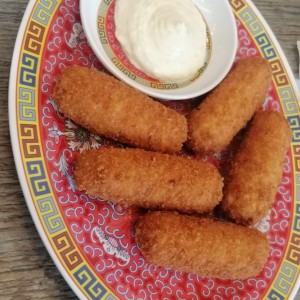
x=16 y=149
x=292 y=78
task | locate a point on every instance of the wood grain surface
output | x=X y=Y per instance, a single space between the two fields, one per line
x=26 y=269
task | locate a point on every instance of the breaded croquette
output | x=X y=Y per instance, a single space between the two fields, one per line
x=214 y=123
x=108 y=107
x=257 y=168
x=151 y=180
x=203 y=246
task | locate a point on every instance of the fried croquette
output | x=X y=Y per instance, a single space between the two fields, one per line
x=207 y=247
x=214 y=123
x=108 y=107
x=257 y=168
x=150 y=180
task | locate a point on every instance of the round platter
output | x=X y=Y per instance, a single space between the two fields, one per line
x=92 y=241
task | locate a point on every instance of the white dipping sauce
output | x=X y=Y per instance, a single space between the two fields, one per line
x=166 y=39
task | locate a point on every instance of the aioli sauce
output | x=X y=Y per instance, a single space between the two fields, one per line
x=166 y=39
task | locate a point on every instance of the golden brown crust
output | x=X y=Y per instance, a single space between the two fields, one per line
x=107 y=106
x=203 y=246
x=148 y=179
x=257 y=168
x=214 y=123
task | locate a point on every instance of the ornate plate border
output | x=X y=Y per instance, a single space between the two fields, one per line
x=286 y=281
x=24 y=129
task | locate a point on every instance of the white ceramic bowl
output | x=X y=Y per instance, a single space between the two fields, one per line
x=97 y=21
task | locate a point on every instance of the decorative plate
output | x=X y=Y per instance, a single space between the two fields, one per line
x=92 y=241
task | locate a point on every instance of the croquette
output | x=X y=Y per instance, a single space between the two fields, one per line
x=151 y=180
x=203 y=246
x=227 y=109
x=256 y=169
x=108 y=107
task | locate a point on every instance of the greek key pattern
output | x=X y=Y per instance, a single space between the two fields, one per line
x=284 y=281
x=273 y=295
x=295 y=239
x=69 y=253
x=266 y=46
x=237 y=4
x=101 y=30
x=34 y=38
x=34 y=161
x=44 y=10
x=267 y=49
x=37 y=176
x=50 y=214
x=249 y=19
x=30 y=140
x=295 y=126
x=279 y=74
x=293 y=253
x=123 y=69
x=297 y=164
x=288 y=100
x=296 y=225
x=164 y=86
x=297 y=177
x=90 y=284
x=285 y=278
x=289 y=269
x=28 y=70
x=26 y=101
x=297 y=193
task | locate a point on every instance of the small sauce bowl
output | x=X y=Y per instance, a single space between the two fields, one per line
x=97 y=18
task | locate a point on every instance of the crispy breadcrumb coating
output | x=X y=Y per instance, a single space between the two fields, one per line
x=107 y=106
x=203 y=246
x=151 y=180
x=257 y=168
x=227 y=109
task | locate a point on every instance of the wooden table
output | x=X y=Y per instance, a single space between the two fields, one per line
x=26 y=270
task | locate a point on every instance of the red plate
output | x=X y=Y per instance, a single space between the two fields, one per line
x=91 y=240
